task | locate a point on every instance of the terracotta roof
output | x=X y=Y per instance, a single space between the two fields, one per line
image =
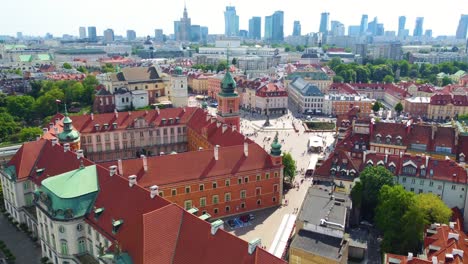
x=125 y=120
x=168 y=169
x=25 y=158
x=339 y=158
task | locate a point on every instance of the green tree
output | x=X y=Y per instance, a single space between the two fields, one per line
x=8 y=126
x=404 y=68
x=434 y=209
x=222 y=65
x=376 y=107
x=399 y=219
x=335 y=62
x=234 y=61
x=289 y=170
x=380 y=72
x=371 y=181
x=388 y=79
x=399 y=108
x=446 y=81
x=21 y=107
x=67 y=66
x=338 y=79
x=46 y=105
x=413 y=73
x=89 y=83
x=82 y=69
x=29 y=133
x=362 y=74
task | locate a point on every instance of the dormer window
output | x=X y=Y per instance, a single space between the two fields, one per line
x=171 y=121
x=356 y=146
x=423 y=170
x=462 y=157
x=332 y=171
x=380 y=163
x=116 y=224
x=96 y=126
x=392 y=168
x=410 y=170
x=106 y=126
x=163 y=121
x=352 y=172
x=98 y=212
x=114 y=125
x=378 y=137
x=388 y=139
x=364 y=147
x=370 y=163
x=398 y=140
x=177 y=120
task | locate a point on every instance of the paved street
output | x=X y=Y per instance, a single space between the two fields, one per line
x=266 y=222
x=25 y=251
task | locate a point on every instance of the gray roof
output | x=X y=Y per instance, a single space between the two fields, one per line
x=318 y=244
x=320 y=204
x=305 y=88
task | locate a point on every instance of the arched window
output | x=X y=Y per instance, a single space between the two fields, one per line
x=63 y=247
x=81 y=246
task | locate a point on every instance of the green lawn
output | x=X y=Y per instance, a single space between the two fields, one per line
x=320 y=125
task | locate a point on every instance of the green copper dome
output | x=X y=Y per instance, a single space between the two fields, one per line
x=68 y=135
x=178 y=70
x=275 y=147
x=228 y=85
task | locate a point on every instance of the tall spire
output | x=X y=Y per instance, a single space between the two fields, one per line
x=66 y=112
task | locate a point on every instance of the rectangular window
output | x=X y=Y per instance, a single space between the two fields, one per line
x=215 y=199
x=403 y=179
x=107 y=137
x=64 y=247
x=259 y=177
x=203 y=202
x=431 y=183
x=275 y=188
x=227 y=197
x=161 y=194
x=267 y=176
x=174 y=192
x=215 y=211
x=454 y=187
x=258 y=191
x=98 y=138
x=276 y=174
x=227 y=209
x=187 y=189
x=201 y=187
x=413 y=181
x=412 y=189
x=227 y=182
x=246 y=179
x=421 y=182
x=215 y=185
x=243 y=194
x=188 y=204
x=239 y=181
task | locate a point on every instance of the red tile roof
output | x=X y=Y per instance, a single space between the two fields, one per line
x=167 y=169
x=25 y=158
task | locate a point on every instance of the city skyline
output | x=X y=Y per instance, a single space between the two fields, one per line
x=145 y=20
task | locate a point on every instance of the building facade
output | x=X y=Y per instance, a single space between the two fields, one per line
x=305 y=97
x=178 y=92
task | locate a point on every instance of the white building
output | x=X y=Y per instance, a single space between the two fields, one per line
x=178 y=91
x=306 y=97
x=126 y=100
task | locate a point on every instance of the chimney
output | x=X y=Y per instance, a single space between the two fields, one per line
x=401 y=154
x=434 y=260
x=410 y=256
x=129 y=113
x=57 y=121
x=364 y=154
x=154 y=191
x=246 y=149
x=234 y=128
x=55 y=130
x=216 y=152
x=386 y=158
x=116 y=113
x=54 y=141
x=112 y=170
x=184 y=110
x=218 y=124
x=92 y=116
x=451 y=225
x=66 y=147
x=132 y=180
x=157 y=109
x=218 y=224
x=51 y=125
x=145 y=162
x=200 y=148
x=254 y=244
x=208 y=117
x=119 y=164
x=224 y=128
x=44 y=130
x=427 y=160
x=213 y=119
x=79 y=154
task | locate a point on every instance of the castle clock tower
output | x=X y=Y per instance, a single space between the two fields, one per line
x=228 y=102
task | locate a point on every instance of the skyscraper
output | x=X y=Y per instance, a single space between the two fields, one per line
x=278 y=26
x=131 y=35
x=324 y=18
x=418 y=29
x=255 y=28
x=462 y=27
x=158 y=35
x=354 y=31
x=19 y=35
x=428 y=33
x=363 y=28
x=195 y=31
x=337 y=28
x=82 y=32
x=401 y=26
x=268 y=28
x=108 y=35
x=182 y=27
x=231 y=21
x=92 y=33
x=372 y=27
x=297 y=28
x=203 y=34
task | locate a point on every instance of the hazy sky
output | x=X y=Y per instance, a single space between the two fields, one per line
x=37 y=17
